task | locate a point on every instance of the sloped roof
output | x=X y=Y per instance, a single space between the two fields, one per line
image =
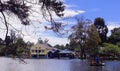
x=66 y=51
x=43 y=45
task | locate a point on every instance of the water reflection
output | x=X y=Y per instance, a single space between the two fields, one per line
x=79 y=65
x=82 y=65
x=58 y=65
x=112 y=65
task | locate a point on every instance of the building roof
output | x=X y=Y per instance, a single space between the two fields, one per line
x=43 y=45
x=66 y=51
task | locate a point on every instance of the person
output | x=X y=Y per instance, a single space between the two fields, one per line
x=97 y=59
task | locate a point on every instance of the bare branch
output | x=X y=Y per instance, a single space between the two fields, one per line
x=6 y=24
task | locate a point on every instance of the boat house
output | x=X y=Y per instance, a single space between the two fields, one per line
x=40 y=50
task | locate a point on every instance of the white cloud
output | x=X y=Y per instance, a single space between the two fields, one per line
x=80 y=11
x=71 y=13
x=56 y=40
x=70 y=6
x=112 y=25
x=32 y=33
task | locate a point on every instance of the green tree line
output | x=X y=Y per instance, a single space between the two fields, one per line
x=91 y=38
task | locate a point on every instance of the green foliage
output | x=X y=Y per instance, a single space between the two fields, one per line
x=60 y=46
x=74 y=46
x=77 y=48
x=20 y=46
x=101 y=28
x=49 y=45
x=92 y=50
x=111 y=49
x=16 y=49
x=80 y=34
x=85 y=36
x=2 y=49
x=115 y=36
x=93 y=40
x=118 y=43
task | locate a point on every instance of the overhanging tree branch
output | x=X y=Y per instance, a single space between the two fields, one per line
x=6 y=24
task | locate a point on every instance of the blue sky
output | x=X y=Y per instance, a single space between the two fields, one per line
x=90 y=9
x=108 y=9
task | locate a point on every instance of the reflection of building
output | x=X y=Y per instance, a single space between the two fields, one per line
x=40 y=50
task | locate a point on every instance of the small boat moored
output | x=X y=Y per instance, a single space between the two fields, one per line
x=95 y=60
x=97 y=64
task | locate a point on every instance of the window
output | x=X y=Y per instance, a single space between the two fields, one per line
x=36 y=51
x=42 y=50
x=39 y=51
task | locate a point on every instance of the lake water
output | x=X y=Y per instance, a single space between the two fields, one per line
x=8 y=64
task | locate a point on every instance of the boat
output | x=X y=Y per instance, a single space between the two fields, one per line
x=97 y=64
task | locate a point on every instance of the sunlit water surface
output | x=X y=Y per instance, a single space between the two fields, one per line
x=8 y=64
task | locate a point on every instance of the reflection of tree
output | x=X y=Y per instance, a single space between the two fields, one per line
x=96 y=68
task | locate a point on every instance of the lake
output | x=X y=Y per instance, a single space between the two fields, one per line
x=8 y=64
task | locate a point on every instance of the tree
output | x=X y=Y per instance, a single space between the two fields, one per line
x=85 y=34
x=115 y=36
x=59 y=46
x=93 y=40
x=40 y=41
x=17 y=49
x=20 y=47
x=74 y=46
x=46 y=41
x=49 y=45
x=13 y=36
x=22 y=9
x=111 y=49
x=2 y=49
x=101 y=28
x=1 y=41
x=30 y=44
x=80 y=34
x=68 y=47
x=7 y=40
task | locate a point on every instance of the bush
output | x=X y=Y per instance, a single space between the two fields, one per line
x=111 y=49
x=118 y=43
